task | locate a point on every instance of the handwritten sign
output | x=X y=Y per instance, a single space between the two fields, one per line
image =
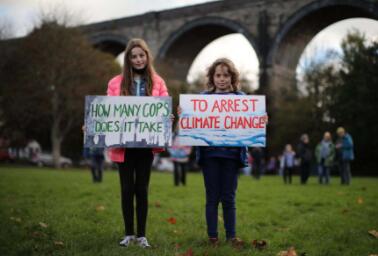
x=222 y=120
x=127 y=121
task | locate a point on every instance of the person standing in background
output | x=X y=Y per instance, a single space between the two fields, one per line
x=271 y=167
x=257 y=162
x=325 y=154
x=97 y=158
x=288 y=159
x=304 y=154
x=344 y=148
x=33 y=149
x=180 y=158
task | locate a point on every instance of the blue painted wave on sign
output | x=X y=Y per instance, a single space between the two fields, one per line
x=256 y=140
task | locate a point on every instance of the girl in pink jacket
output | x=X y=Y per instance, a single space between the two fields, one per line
x=134 y=164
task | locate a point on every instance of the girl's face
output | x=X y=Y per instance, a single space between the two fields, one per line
x=222 y=79
x=138 y=58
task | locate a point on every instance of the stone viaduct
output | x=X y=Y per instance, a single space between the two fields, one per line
x=278 y=30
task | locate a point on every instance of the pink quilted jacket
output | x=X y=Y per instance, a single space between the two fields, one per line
x=114 y=89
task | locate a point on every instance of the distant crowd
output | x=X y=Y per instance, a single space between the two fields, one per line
x=329 y=156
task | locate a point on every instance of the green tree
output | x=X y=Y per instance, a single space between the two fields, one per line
x=355 y=96
x=303 y=108
x=45 y=82
x=344 y=93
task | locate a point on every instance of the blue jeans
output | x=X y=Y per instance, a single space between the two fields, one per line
x=221 y=179
x=323 y=173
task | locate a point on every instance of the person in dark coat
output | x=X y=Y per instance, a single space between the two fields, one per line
x=304 y=154
x=257 y=162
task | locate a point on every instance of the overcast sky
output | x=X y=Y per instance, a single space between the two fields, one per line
x=23 y=15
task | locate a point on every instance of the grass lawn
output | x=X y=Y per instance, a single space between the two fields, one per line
x=49 y=212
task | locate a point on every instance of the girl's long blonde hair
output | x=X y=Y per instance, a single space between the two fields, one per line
x=231 y=69
x=128 y=74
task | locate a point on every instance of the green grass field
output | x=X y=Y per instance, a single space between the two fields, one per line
x=49 y=212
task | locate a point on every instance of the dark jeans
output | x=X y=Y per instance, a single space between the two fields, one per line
x=345 y=173
x=97 y=167
x=287 y=173
x=179 y=173
x=256 y=169
x=305 y=171
x=134 y=176
x=221 y=179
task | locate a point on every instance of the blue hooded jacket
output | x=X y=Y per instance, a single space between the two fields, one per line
x=347 y=147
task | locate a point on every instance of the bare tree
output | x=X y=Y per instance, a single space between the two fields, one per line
x=51 y=71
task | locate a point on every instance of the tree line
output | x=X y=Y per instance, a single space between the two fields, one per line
x=44 y=79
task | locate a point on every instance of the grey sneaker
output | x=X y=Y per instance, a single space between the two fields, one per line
x=127 y=240
x=142 y=242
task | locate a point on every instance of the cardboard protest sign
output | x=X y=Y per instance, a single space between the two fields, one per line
x=222 y=120
x=127 y=121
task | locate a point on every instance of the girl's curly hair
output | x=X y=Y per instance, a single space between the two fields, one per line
x=231 y=69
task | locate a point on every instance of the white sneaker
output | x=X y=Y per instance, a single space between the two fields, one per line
x=142 y=242
x=127 y=240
